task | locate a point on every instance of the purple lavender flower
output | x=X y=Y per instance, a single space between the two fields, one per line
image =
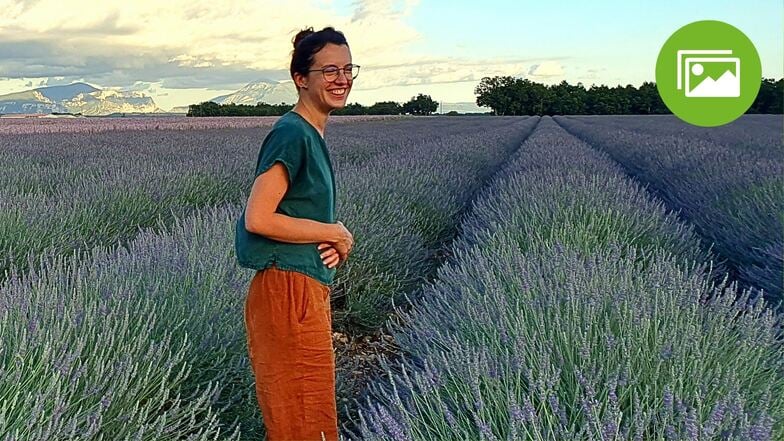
x=761 y=429
x=486 y=432
x=450 y=418
x=691 y=424
x=529 y=413
x=715 y=420
x=666 y=352
x=515 y=414
x=558 y=410
x=668 y=406
x=609 y=427
x=393 y=428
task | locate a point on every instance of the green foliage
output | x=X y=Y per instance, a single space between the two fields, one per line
x=351 y=109
x=385 y=108
x=420 y=105
x=770 y=98
x=209 y=108
x=507 y=95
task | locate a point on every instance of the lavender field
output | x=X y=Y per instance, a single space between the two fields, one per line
x=728 y=182
x=567 y=278
x=21 y=126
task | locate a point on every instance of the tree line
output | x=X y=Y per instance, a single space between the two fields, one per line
x=419 y=105
x=507 y=95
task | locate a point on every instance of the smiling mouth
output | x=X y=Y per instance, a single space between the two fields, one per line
x=339 y=93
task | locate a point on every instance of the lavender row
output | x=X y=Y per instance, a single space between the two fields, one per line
x=149 y=342
x=20 y=126
x=66 y=193
x=730 y=191
x=759 y=132
x=135 y=343
x=576 y=307
x=402 y=206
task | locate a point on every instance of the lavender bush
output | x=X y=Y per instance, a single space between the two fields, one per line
x=114 y=347
x=575 y=307
x=730 y=190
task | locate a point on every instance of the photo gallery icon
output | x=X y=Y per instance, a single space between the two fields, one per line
x=710 y=73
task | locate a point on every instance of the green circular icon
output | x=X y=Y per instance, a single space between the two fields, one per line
x=708 y=73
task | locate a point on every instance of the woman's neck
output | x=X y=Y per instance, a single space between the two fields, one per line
x=312 y=115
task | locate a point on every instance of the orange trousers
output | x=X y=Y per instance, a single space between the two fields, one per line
x=289 y=328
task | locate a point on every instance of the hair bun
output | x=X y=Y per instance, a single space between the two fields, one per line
x=301 y=35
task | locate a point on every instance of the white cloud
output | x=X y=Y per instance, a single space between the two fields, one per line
x=175 y=38
x=209 y=47
x=365 y=9
x=546 y=69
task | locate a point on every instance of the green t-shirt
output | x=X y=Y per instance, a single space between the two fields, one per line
x=294 y=142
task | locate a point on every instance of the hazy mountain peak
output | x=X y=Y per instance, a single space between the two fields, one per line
x=77 y=98
x=263 y=90
x=64 y=92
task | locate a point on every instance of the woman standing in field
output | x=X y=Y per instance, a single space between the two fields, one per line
x=288 y=233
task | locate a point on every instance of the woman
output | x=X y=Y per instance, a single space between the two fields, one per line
x=289 y=235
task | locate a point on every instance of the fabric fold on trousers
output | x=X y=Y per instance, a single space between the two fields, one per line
x=289 y=328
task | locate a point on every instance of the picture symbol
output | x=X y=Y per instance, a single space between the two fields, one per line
x=708 y=73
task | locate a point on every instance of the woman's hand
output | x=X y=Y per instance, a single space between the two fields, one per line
x=345 y=241
x=329 y=255
x=336 y=252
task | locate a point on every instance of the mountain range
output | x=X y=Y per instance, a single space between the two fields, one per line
x=91 y=101
x=77 y=98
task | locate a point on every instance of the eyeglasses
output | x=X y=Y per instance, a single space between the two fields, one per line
x=331 y=72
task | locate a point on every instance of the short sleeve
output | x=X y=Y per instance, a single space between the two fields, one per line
x=285 y=146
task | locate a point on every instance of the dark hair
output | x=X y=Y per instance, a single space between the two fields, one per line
x=307 y=43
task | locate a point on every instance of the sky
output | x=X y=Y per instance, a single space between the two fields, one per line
x=184 y=52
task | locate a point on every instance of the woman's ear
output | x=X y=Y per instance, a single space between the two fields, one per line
x=300 y=81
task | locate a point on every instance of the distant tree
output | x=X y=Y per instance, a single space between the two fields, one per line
x=385 y=108
x=566 y=99
x=647 y=100
x=351 y=109
x=207 y=108
x=514 y=96
x=495 y=93
x=770 y=98
x=507 y=95
x=420 y=105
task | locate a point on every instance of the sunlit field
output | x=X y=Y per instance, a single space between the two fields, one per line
x=513 y=278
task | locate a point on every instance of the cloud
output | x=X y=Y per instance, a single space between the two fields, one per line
x=384 y=9
x=546 y=69
x=189 y=44
x=55 y=81
x=138 y=86
x=435 y=70
x=183 y=43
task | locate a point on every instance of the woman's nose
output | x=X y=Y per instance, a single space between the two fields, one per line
x=342 y=77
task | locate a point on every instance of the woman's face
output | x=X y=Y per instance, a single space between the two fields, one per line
x=328 y=95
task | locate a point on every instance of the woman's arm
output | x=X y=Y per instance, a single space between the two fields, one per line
x=260 y=217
